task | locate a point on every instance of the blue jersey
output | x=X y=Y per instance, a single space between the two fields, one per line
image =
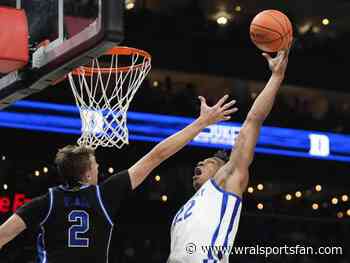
x=76 y=224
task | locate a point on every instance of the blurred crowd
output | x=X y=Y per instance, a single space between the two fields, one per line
x=313 y=111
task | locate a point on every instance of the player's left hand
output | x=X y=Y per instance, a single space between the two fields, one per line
x=221 y=111
x=278 y=64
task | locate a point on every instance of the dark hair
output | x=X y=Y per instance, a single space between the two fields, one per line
x=222 y=155
x=72 y=162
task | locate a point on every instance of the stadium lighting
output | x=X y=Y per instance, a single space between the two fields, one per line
x=304 y=28
x=318 y=188
x=222 y=20
x=316 y=29
x=344 y=198
x=325 y=21
x=155 y=83
x=129 y=4
x=238 y=8
x=334 y=200
x=288 y=197
x=164 y=198
x=298 y=194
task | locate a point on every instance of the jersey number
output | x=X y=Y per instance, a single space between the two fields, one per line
x=184 y=212
x=81 y=226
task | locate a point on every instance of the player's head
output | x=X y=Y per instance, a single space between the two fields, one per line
x=207 y=168
x=77 y=164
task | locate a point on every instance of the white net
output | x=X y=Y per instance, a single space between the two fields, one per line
x=103 y=96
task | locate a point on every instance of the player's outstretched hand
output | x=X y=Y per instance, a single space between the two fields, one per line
x=221 y=111
x=278 y=64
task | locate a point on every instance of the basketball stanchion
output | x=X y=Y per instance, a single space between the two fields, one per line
x=103 y=94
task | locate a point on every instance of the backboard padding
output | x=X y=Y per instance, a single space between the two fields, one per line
x=86 y=39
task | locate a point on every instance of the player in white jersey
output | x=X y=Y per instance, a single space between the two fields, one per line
x=204 y=229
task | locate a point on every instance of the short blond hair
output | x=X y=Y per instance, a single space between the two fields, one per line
x=72 y=162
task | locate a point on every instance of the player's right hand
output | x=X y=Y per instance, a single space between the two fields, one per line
x=278 y=64
x=221 y=111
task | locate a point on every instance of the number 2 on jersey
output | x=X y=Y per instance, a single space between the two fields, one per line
x=81 y=226
x=184 y=212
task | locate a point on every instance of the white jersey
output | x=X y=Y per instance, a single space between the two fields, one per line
x=209 y=219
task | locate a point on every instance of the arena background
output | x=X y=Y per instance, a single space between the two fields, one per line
x=194 y=55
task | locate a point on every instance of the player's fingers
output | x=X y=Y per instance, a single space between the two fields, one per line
x=267 y=56
x=221 y=101
x=285 y=57
x=228 y=105
x=228 y=112
x=285 y=54
x=288 y=50
x=286 y=60
x=281 y=53
x=202 y=100
x=226 y=118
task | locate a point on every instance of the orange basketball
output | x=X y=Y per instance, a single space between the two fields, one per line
x=271 y=31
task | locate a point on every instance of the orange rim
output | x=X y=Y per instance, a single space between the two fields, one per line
x=124 y=51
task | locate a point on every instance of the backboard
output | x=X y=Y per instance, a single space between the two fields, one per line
x=77 y=30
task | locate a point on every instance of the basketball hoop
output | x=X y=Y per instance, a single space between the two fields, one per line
x=103 y=92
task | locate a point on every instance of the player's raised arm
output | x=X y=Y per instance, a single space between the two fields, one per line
x=235 y=175
x=28 y=216
x=10 y=229
x=162 y=151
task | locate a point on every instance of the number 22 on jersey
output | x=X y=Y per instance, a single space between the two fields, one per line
x=184 y=212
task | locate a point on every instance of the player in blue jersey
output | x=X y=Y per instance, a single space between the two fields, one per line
x=204 y=229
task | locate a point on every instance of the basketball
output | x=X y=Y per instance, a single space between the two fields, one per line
x=271 y=31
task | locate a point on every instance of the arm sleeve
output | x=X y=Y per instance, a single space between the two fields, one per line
x=35 y=211
x=115 y=189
